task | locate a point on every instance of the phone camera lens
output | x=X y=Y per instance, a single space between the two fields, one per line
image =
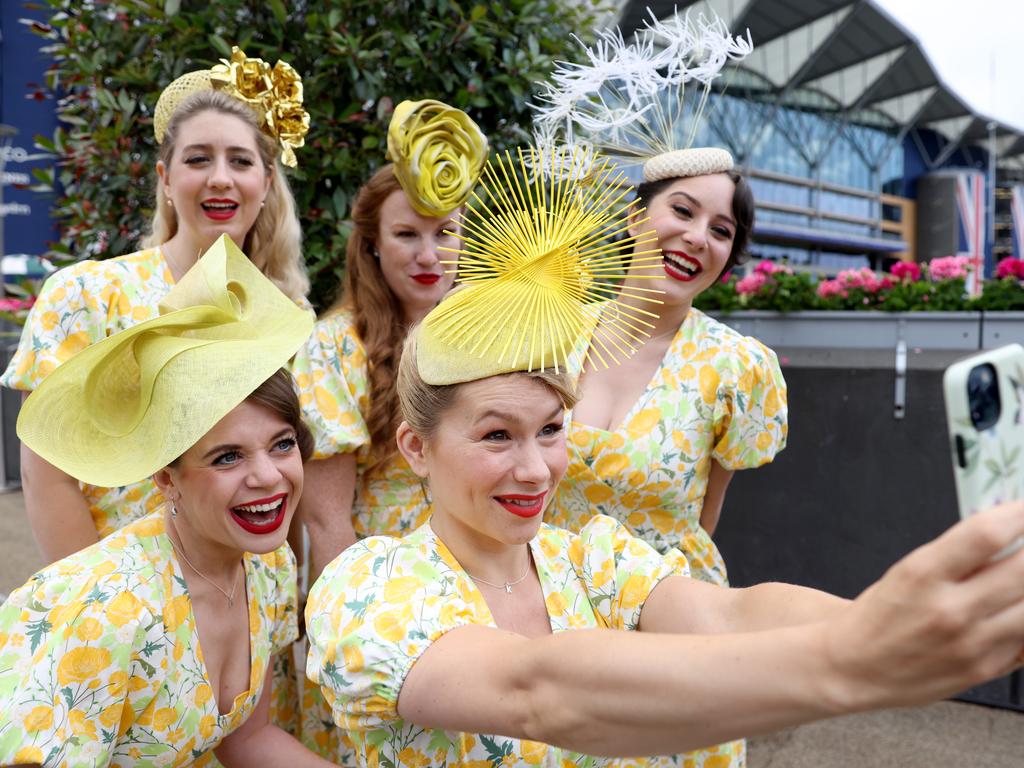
x=983 y=396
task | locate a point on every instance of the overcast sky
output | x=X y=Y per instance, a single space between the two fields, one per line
x=977 y=47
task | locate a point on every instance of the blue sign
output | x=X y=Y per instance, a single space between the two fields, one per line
x=28 y=108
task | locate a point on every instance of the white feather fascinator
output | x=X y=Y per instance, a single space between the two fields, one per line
x=642 y=101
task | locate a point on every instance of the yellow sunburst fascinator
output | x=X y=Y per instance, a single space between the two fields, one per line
x=273 y=93
x=540 y=260
x=438 y=152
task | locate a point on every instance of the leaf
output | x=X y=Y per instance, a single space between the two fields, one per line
x=221 y=45
x=171 y=7
x=277 y=8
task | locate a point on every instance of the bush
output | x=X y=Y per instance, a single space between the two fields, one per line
x=358 y=58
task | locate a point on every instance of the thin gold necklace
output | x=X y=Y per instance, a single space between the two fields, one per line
x=229 y=595
x=507 y=586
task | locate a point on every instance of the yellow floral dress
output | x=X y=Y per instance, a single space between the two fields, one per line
x=334 y=389
x=332 y=374
x=383 y=602
x=78 y=306
x=100 y=661
x=716 y=395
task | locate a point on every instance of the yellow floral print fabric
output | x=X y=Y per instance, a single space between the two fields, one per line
x=332 y=373
x=716 y=395
x=382 y=603
x=100 y=661
x=78 y=306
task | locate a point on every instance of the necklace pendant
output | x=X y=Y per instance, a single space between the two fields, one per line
x=508 y=587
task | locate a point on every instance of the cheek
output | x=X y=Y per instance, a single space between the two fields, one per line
x=557 y=458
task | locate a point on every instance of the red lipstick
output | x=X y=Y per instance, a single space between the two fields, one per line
x=219 y=209
x=426 y=278
x=680 y=266
x=522 y=505
x=261 y=516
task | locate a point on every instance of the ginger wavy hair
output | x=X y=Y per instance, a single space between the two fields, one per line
x=376 y=313
x=274 y=243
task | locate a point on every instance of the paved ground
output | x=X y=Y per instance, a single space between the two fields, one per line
x=948 y=734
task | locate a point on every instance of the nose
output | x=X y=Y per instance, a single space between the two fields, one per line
x=427 y=255
x=220 y=176
x=531 y=465
x=696 y=235
x=263 y=472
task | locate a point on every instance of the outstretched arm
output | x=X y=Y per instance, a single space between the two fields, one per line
x=943 y=619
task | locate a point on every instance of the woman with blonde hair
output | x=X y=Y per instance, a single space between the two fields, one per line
x=218 y=173
x=487 y=637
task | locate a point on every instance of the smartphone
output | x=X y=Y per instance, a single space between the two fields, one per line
x=985 y=412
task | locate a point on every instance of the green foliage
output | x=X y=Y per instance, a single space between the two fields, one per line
x=720 y=297
x=784 y=292
x=1005 y=294
x=358 y=58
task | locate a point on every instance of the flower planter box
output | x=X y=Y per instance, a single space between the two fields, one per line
x=999 y=328
x=864 y=330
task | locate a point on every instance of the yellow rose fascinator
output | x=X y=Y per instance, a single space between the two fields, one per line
x=125 y=407
x=540 y=260
x=643 y=102
x=273 y=93
x=438 y=152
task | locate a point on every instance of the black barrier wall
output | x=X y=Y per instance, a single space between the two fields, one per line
x=856 y=489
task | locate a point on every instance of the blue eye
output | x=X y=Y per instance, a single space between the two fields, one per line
x=229 y=457
x=550 y=430
x=497 y=435
x=286 y=444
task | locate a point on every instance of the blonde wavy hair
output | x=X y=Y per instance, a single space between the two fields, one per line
x=274 y=243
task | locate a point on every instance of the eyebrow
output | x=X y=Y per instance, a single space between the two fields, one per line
x=226 y=447
x=193 y=147
x=503 y=415
x=696 y=204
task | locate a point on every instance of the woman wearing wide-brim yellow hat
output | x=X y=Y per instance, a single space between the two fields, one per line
x=224 y=134
x=153 y=647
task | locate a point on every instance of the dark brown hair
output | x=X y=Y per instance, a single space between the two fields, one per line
x=742 y=211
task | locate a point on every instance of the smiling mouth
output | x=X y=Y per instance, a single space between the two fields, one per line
x=263 y=515
x=219 y=210
x=680 y=267
x=522 y=505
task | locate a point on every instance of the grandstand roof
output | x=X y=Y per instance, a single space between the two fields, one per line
x=848 y=58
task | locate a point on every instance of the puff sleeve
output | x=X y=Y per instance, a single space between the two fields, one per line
x=332 y=376
x=370 y=616
x=618 y=570
x=750 y=411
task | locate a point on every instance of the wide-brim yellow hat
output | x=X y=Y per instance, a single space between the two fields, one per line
x=127 y=406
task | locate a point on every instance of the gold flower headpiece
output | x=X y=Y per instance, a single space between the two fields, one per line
x=273 y=93
x=539 y=261
x=438 y=152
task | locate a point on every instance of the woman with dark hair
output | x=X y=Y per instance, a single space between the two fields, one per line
x=153 y=647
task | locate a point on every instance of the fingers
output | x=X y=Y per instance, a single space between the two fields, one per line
x=996 y=586
x=972 y=543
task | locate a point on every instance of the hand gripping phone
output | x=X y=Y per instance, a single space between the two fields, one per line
x=985 y=411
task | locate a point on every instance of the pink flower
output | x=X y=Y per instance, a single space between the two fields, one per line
x=829 y=288
x=771 y=268
x=862 y=278
x=751 y=283
x=1010 y=267
x=16 y=305
x=949 y=267
x=906 y=271
x=726 y=276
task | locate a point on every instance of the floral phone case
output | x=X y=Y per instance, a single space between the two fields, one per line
x=988 y=463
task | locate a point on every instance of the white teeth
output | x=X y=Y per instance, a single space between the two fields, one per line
x=220 y=206
x=682 y=266
x=258 y=507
